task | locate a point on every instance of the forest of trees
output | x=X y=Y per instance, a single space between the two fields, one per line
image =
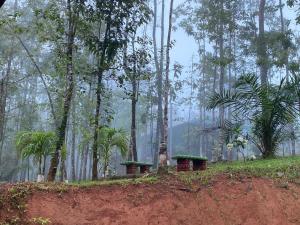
x=85 y=85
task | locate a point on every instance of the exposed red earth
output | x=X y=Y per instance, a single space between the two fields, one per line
x=246 y=201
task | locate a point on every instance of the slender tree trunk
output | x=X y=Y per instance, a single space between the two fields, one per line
x=156 y=148
x=96 y=127
x=43 y=81
x=101 y=69
x=160 y=126
x=133 y=155
x=151 y=123
x=286 y=52
x=86 y=148
x=203 y=94
x=44 y=164
x=262 y=45
x=190 y=109
x=229 y=153
x=61 y=132
x=134 y=99
x=214 y=87
x=85 y=160
x=283 y=29
x=73 y=166
x=170 y=136
x=40 y=165
x=167 y=86
x=222 y=75
x=3 y=102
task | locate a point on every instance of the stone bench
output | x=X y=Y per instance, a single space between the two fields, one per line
x=183 y=162
x=131 y=167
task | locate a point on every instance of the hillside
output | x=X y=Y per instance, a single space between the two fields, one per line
x=260 y=192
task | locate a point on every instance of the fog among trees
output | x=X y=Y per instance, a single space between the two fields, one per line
x=87 y=85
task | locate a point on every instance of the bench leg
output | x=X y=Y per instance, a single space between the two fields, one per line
x=131 y=169
x=183 y=165
x=199 y=165
x=144 y=169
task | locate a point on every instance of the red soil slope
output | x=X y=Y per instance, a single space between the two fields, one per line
x=226 y=202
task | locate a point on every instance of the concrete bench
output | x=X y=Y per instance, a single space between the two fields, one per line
x=183 y=162
x=131 y=167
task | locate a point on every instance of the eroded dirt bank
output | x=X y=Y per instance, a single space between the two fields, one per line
x=250 y=201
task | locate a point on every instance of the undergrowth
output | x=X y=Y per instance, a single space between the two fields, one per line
x=287 y=168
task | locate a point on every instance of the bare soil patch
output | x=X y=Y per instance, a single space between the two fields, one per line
x=248 y=201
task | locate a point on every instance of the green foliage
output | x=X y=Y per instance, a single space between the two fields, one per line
x=293 y=3
x=270 y=108
x=117 y=20
x=110 y=138
x=39 y=144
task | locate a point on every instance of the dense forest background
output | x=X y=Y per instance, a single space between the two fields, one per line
x=146 y=67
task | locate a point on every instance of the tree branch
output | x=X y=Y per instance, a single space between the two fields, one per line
x=42 y=78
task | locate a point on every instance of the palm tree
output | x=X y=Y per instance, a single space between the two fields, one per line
x=108 y=139
x=39 y=144
x=270 y=108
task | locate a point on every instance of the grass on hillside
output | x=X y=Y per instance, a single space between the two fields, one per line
x=287 y=168
x=125 y=181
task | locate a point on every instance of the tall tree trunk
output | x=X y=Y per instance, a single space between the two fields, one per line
x=229 y=153
x=283 y=29
x=86 y=148
x=157 y=68
x=85 y=161
x=286 y=59
x=3 y=102
x=222 y=75
x=101 y=69
x=190 y=109
x=262 y=45
x=133 y=155
x=73 y=173
x=61 y=132
x=151 y=121
x=214 y=87
x=203 y=94
x=167 y=85
x=96 y=127
x=161 y=144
